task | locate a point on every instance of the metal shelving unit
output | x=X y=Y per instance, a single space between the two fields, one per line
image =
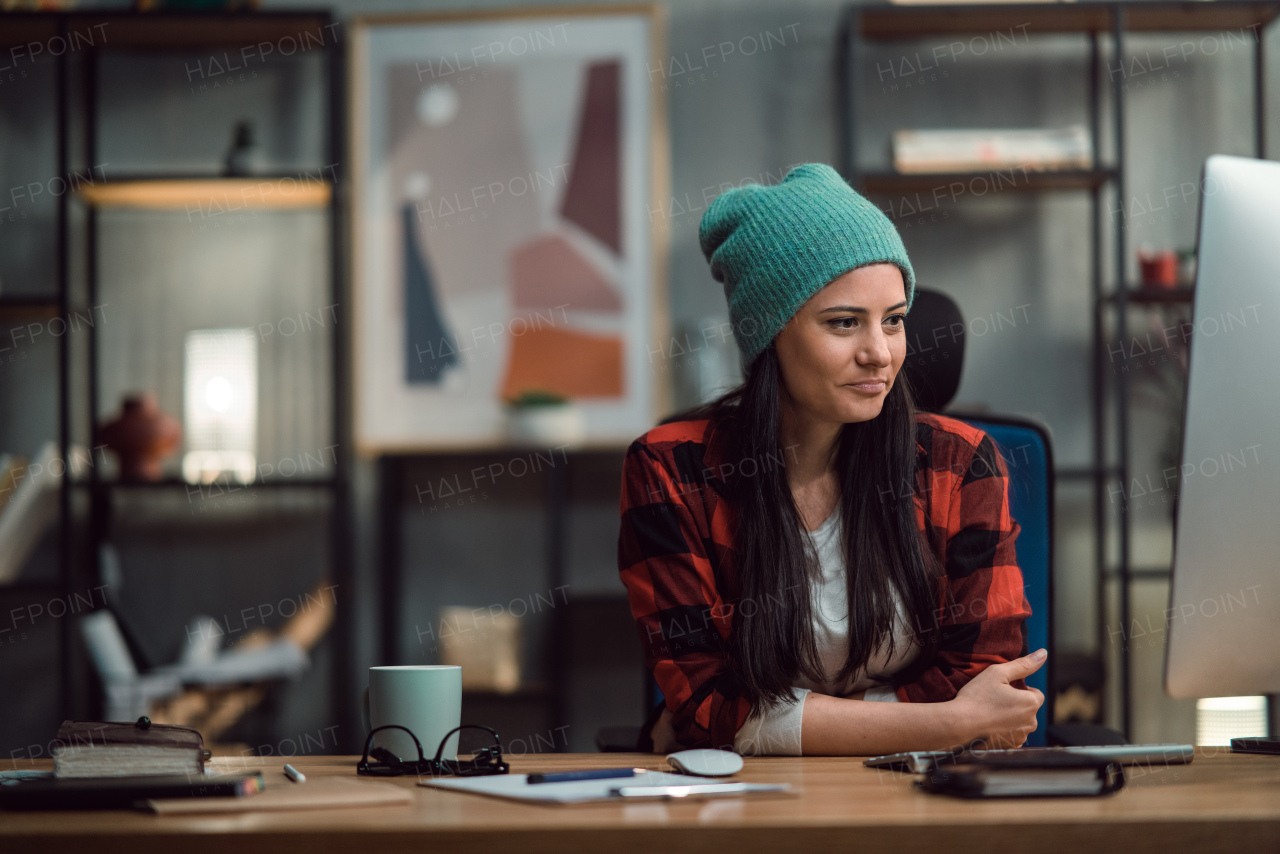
x=1096 y=21
x=77 y=124
x=396 y=493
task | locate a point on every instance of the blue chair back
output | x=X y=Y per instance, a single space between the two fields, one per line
x=1025 y=446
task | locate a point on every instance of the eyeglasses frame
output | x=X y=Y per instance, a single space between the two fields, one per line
x=486 y=762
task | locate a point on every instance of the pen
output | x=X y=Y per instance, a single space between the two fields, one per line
x=694 y=790
x=595 y=774
x=294 y=774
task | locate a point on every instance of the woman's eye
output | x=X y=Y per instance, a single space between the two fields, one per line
x=894 y=320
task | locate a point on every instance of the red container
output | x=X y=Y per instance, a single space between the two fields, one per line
x=1159 y=269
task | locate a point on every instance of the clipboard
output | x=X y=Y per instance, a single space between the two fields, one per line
x=663 y=783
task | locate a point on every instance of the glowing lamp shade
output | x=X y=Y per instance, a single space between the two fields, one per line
x=220 y=385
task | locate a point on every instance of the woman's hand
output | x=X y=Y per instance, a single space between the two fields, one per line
x=989 y=707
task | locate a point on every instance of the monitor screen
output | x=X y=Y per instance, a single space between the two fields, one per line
x=1224 y=604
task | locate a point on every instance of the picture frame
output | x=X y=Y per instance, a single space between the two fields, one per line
x=507 y=165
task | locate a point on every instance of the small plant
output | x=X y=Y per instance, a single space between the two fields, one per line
x=536 y=397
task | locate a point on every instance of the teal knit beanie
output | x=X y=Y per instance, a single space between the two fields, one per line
x=774 y=247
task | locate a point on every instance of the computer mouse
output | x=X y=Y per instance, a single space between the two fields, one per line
x=705 y=762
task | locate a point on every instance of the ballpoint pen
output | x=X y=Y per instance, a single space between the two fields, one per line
x=696 y=790
x=594 y=774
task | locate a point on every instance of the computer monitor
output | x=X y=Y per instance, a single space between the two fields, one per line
x=1224 y=596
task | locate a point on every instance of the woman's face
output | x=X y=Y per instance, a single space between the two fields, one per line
x=841 y=353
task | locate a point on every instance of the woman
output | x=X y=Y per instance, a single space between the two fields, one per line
x=809 y=543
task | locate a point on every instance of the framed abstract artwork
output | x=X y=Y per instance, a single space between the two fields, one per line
x=506 y=166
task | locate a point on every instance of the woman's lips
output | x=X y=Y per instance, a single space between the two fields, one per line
x=869 y=388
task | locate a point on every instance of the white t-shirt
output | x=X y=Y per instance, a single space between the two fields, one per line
x=776 y=731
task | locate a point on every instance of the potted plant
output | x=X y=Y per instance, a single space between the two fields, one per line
x=543 y=418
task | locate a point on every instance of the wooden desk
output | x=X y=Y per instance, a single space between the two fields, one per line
x=1221 y=802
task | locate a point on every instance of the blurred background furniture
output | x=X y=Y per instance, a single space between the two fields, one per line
x=554 y=568
x=174 y=209
x=208 y=689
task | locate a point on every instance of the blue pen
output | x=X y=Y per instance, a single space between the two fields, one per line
x=596 y=774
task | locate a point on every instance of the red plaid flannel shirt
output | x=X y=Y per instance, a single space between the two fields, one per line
x=675 y=556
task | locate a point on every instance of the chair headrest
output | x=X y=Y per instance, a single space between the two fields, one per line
x=935 y=349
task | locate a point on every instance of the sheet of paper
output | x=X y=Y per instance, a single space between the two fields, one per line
x=572 y=792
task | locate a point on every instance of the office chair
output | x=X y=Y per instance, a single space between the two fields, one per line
x=935 y=356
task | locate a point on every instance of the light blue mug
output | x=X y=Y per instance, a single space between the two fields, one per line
x=426 y=699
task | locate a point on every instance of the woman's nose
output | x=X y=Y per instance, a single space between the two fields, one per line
x=876 y=350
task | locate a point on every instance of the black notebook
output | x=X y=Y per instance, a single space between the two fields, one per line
x=1035 y=773
x=122 y=792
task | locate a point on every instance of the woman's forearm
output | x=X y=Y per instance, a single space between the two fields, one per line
x=836 y=726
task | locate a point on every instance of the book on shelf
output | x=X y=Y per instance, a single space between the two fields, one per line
x=108 y=749
x=918 y=151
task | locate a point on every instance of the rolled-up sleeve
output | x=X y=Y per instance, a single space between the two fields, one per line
x=775 y=730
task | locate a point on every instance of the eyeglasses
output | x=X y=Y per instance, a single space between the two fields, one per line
x=386 y=764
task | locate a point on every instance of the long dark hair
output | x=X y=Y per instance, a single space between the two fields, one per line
x=771 y=641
